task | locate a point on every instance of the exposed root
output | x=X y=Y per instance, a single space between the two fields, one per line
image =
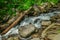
x=44 y=32
x=43 y=35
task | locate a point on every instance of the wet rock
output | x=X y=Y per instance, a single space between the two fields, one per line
x=45 y=23
x=35 y=39
x=26 y=30
x=51 y=36
x=55 y=18
x=16 y=38
x=13 y=38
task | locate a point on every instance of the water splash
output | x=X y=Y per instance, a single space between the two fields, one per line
x=36 y=20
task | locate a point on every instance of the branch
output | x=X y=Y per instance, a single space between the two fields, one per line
x=16 y=21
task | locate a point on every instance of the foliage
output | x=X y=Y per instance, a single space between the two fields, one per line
x=8 y=7
x=39 y=2
x=25 y=4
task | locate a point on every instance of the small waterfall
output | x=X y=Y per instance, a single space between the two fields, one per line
x=33 y=20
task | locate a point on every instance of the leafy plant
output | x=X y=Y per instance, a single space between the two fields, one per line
x=8 y=7
x=25 y=4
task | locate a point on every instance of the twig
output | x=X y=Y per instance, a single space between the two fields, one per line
x=43 y=35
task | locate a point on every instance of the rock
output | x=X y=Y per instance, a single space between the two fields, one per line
x=54 y=33
x=58 y=20
x=16 y=38
x=57 y=37
x=26 y=30
x=51 y=36
x=35 y=39
x=35 y=35
x=13 y=38
x=55 y=18
x=36 y=10
x=45 y=23
x=45 y=7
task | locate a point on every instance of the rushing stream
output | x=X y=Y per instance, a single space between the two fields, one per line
x=33 y=20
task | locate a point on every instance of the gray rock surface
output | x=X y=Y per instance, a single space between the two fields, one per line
x=26 y=30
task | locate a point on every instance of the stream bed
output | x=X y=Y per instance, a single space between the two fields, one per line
x=36 y=21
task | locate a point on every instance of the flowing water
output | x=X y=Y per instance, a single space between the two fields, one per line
x=33 y=20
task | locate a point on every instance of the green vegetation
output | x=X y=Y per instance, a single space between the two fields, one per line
x=8 y=7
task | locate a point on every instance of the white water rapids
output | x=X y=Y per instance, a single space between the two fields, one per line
x=33 y=20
